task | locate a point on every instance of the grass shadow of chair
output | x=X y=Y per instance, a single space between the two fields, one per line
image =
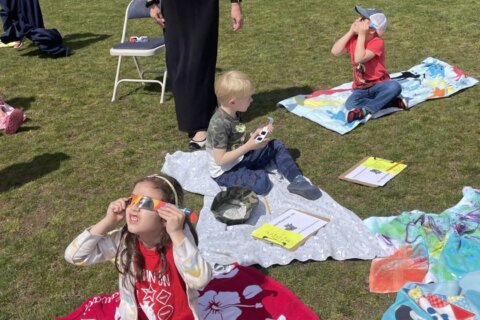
x=77 y=41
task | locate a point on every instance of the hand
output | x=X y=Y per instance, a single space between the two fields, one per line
x=156 y=15
x=174 y=218
x=251 y=144
x=237 y=16
x=363 y=27
x=116 y=211
x=354 y=26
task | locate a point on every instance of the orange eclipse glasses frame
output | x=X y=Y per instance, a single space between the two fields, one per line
x=152 y=204
x=144 y=202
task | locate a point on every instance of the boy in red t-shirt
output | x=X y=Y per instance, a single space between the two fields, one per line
x=372 y=87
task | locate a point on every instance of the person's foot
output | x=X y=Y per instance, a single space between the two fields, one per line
x=199 y=140
x=17 y=44
x=401 y=103
x=199 y=135
x=13 y=121
x=302 y=187
x=355 y=114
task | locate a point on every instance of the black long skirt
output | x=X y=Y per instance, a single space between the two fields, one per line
x=19 y=17
x=191 y=37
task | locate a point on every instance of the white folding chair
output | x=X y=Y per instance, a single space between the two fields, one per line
x=154 y=46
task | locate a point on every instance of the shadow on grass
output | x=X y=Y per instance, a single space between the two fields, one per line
x=18 y=174
x=266 y=102
x=295 y=153
x=24 y=128
x=77 y=41
x=23 y=103
x=130 y=89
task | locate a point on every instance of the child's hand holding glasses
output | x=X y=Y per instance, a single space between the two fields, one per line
x=115 y=213
x=174 y=219
x=116 y=210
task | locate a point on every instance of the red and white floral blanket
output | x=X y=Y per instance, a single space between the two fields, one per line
x=235 y=293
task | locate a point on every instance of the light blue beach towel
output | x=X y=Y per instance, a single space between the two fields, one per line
x=432 y=79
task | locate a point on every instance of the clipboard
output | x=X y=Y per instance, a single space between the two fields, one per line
x=373 y=172
x=291 y=229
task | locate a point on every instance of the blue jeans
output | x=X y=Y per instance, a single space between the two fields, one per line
x=250 y=172
x=374 y=98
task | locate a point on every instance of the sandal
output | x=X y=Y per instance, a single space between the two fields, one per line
x=197 y=145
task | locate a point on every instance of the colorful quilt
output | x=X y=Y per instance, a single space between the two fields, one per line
x=427 y=247
x=234 y=293
x=432 y=79
x=450 y=300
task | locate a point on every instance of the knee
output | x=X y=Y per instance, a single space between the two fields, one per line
x=262 y=184
x=395 y=88
x=276 y=144
x=351 y=102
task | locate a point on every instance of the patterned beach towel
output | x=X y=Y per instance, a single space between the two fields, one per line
x=427 y=247
x=432 y=79
x=234 y=293
x=452 y=300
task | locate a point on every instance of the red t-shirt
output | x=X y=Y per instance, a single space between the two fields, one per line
x=374 y=70
x=164 y=298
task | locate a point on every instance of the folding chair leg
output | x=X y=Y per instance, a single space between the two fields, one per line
x=116 y=78
x=164 y=84
x=139 y=70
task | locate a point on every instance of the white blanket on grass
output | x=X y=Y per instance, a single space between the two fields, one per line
x=344 y=237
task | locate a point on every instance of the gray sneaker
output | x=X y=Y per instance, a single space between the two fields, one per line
x=302 y=187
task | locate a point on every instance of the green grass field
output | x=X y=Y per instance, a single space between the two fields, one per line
x=80 y=151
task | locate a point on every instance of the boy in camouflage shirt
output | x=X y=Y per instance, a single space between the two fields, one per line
x=236 y=159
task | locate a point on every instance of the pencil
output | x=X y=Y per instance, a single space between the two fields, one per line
x=396 y=164
x=267 y=206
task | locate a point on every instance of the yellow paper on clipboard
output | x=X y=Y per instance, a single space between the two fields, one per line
x=291 y=229
x=373 y=172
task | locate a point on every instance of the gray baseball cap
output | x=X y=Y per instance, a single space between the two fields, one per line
x=377 y=18
x=234 y=205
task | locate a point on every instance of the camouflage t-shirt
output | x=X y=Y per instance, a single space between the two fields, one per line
x=224 y=132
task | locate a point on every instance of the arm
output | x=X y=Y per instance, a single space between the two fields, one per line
x=88 y=248
x=223 y=157
x=237 y=15
x=362 y=54
x=95 y=245
x=339 y=46
x=195 y=271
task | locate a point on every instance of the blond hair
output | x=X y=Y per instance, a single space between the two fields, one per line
x=233 y=84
